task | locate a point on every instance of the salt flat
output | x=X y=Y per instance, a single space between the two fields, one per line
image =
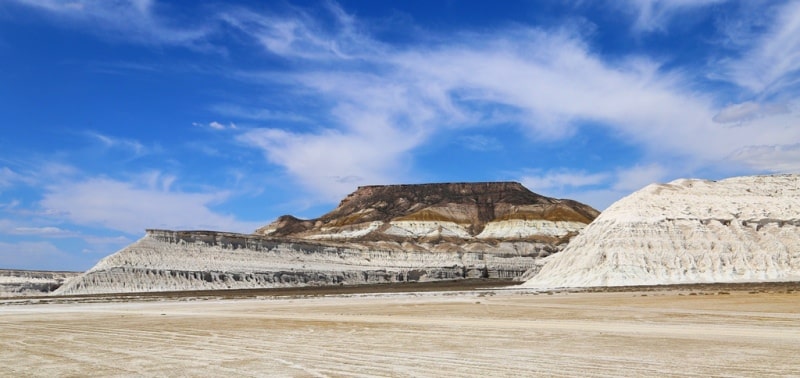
x=479 y=333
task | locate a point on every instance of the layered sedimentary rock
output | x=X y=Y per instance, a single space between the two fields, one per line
x=377 y=234
x=200 y=260
x=31 y=282
x=428 y=214
x=741 y=229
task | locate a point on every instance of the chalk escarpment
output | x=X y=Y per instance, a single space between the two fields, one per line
x=31 y=282
x=203 y=260
x=742 y=229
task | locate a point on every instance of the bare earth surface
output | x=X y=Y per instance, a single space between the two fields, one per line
x=687 y=331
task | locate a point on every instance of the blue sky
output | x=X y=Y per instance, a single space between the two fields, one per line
x=125 y=115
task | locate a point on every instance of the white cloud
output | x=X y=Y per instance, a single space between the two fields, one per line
x=130 y=20
x=655 y=15
x=784 y=158
x=333 y=163
x=48 y=171
x=105 y=245
x=546 y=80
x=218 y=126
x=32 y=174
x=772 y=63
x=257 y=114
x=113 y=142
x=97 y=244
x=381 y=102
x=300 y=36
x=132 y=207
x=562 y=179
x=8 y=177
x=579 y=186
x=596 y=189
x=214 y=125
x=10 y=205
x=555 y=83
x=104 y=240
x=747 y=111
x=46 y=231
x=634 y=178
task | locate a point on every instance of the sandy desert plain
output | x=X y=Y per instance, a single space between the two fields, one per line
x=434 y=330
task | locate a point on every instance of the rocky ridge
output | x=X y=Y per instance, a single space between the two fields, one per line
x=205 y=260
x=31 y=282
x=742 y=229
x=377 y=234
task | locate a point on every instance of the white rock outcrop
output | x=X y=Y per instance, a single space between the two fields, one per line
x=742 y=229
x=522 y=228
x=462 y=213
x=15 y=283
x=204 y=260
x=418 y=229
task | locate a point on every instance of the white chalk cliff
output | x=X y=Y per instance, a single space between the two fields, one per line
x=31 y=282
x=742 y=229
x=205 y=260
x=377 y=234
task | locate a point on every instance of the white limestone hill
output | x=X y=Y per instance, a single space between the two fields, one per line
x=742 y=229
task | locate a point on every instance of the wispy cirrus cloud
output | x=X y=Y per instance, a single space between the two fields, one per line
x=34 y=173
x=597 y=188
x=135 y=205
x=748 y=111
x=638 y=176
x=549 y=81
x=113 y=142
x=419 y=91
x=214 y=125
x=8 y=177
x=297 y=34
x=129 y=20
x=103 y=244
x=376 y=103
x=770 y=65
x=559 y=180
x=655 y=15
x=477 y=142
x=771 y=158
x=46 y=231
x=257 y=113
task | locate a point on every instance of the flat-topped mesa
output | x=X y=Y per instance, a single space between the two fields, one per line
x=378 y=234
x=741 y=229
x=482 y=210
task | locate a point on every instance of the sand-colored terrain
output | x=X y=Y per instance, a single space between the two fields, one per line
x=702 y=331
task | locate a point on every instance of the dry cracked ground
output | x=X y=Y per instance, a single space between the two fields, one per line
x=689 y=331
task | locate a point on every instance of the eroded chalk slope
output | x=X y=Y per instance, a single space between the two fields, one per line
x=742 y=229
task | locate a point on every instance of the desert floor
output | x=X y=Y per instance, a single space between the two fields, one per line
x=687 y=331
